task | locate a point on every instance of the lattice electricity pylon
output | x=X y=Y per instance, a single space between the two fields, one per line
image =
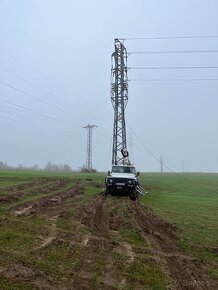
x=89 y=146
x=119 y=98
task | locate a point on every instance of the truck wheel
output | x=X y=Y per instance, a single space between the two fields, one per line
x=107 y=191
x=133 y=195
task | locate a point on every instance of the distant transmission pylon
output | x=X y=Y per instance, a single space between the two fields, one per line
x=89 y=146
x=119 y=98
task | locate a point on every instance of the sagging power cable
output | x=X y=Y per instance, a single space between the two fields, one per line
x=36 y=98
x=172 y=52
x=171 y=37
x=172 y=67
x=172 y=80
x=148 y=150
x=36 y=113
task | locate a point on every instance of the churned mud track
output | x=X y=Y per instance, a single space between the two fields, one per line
x=39 y=186
x=9 y=198
x=94 y=246
x=101 y=248
x=24 y=273
x=51 y=209
x=92 y=242
x=24 y=186
x=94 y=216
x=52 y=186
x=182 y=271
x=46 y=202
x=11 y=194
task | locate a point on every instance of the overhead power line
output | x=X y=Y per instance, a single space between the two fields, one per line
x=171 y=37
x=35 y=98
x=29 y=121
x=172 y=80
x=67 y=92
x=148 y=150
x=37 y=113
x=29 y=68
x=172 y=51
x=174 y=67
x=25 y=93
x=25 y=110
x=183 y=178
x=180 y=177
x=42 y=90
x=23 y=79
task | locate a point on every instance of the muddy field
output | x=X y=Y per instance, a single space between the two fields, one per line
x=55 y=235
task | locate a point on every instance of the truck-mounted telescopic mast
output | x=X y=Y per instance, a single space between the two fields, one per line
x=119 y=98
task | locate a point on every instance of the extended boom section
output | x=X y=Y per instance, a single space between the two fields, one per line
x=119 y=98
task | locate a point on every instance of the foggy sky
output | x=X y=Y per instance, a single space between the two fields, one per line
x=59 y=54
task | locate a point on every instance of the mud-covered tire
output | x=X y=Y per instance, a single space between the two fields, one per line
x=133 y=195
x=107 y=191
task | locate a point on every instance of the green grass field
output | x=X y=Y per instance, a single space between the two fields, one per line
x=190 y=201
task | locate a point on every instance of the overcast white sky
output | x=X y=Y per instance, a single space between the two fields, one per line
x=58 y=53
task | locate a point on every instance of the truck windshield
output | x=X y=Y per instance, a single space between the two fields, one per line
x=123 y=169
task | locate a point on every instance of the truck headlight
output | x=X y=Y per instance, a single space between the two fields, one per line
x=110 y=180
x=130 y=181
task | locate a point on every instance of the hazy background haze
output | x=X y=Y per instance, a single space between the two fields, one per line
x=55 y=61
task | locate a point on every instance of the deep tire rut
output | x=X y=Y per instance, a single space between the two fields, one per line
x=181 y=270
x=94 y=216
x=42 y=203
x=101 y=254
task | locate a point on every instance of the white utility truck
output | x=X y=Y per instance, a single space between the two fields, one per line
x=124 y=179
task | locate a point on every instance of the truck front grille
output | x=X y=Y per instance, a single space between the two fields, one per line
x=120 y=180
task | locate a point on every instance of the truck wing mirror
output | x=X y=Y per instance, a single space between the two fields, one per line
x=138 y=173
x=108 y=172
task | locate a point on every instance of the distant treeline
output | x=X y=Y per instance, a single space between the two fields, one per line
x=48 y=167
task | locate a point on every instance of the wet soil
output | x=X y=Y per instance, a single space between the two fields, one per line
x=42 y=204
x=23 y=186
x=182 y=271
x=14 y=193
x=98 y=254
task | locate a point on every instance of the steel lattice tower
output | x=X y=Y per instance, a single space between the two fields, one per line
x=89 y=146
x=119 y=98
